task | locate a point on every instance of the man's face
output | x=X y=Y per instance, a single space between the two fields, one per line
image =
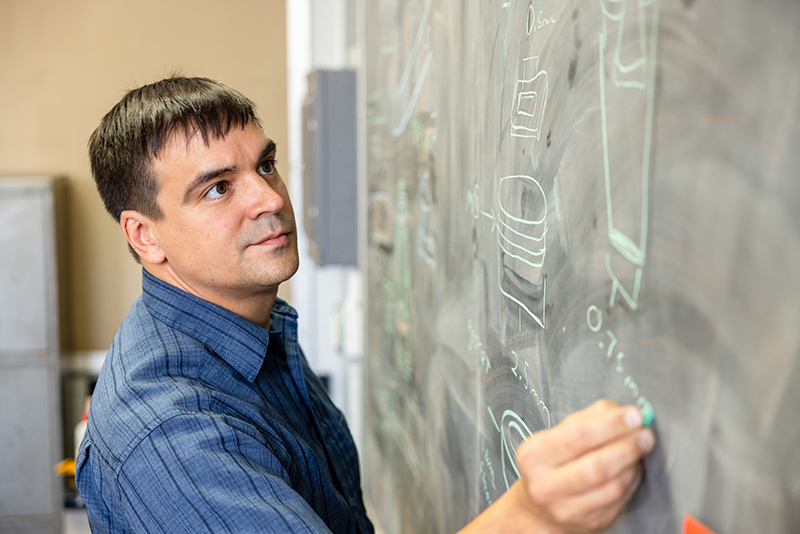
x=228 y=228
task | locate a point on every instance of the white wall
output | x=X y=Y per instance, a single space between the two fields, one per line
x=328 y=299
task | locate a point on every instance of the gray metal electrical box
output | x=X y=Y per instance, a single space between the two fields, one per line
x=330 y=167
x=30 y=433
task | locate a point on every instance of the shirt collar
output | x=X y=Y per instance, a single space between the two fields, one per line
x=241 y=343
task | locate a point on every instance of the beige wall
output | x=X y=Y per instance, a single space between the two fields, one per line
x=64 y=64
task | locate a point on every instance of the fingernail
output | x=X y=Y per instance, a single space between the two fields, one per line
x=633 y=418
x=646 y=441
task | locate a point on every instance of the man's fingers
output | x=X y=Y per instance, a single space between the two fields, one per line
x=595 y=468
x=600 y=423
x=596 y=509
x=582 y=472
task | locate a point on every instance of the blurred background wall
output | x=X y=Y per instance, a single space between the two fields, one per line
x=63 y=65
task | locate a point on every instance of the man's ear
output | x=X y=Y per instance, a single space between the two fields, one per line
x=140 y=232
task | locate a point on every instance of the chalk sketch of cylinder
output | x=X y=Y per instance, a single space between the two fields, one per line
x=530 y=100
x=521 y=233
x=628 y=57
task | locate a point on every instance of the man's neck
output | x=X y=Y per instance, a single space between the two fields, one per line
x=256 y=307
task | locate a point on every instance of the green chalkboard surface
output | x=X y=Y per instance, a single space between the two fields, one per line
x=571 y=200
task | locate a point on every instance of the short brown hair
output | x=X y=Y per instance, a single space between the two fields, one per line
x=137 y=128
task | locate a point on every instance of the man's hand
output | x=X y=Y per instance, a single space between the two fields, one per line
x=576 y=477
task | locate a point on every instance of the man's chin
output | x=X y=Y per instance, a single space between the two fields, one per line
x=279 y=274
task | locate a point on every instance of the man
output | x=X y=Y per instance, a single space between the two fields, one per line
x=206 y=416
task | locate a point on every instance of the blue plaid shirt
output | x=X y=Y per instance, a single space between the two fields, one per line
x=202 y=421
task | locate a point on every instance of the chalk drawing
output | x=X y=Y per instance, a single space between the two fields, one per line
x=390 y=425
x=611 y=335
x=422 y=133
x=486 y=470
x=632 y=385
x=598 y=316
x=404 y=361
x=531 y=90
x=521 y=224
x=626 y=24
x=537 y=21
x=633 y=82
x=416 y=69
x=474 y=340
x=542 y=21
x=473 y=202
x=513 y=431
x=616 y=285
x=402 y=260
x=426 y=244
x=531 y=22
x=539 y=402
x=530 y=101
x=491 y=216
x=485 y=362
x=522 y=219
x=594 y=320
x=514 y=369
x=402 y=282
x=521 y=231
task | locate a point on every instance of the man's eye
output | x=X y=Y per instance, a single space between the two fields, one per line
x=267 y=167
x=217 y=190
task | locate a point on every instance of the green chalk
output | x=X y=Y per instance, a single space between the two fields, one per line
x=648 y=413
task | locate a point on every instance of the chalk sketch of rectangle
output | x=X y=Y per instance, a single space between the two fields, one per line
x=530 y=101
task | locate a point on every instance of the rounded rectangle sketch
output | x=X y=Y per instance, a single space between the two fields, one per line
x=530 y=101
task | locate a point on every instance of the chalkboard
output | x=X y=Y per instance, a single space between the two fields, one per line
x=576 y=200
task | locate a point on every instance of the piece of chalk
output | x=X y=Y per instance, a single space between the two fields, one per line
x=648 y=414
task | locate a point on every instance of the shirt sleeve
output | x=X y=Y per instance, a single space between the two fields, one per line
x=206 y=473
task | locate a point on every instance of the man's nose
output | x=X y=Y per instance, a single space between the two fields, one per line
x=262 y=197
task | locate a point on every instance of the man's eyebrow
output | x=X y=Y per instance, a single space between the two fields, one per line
x=210 y=175
x=203 y=178
x=271 y=147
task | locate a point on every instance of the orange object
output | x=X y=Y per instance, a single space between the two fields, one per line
x=65 y=468
x=693 y=526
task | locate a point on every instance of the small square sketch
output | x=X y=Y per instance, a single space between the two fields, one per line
x=530 y=101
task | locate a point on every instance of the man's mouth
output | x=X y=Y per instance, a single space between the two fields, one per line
x=275 y=239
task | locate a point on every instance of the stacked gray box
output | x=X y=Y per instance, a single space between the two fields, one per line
x=330 y=168
x=30 y=434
